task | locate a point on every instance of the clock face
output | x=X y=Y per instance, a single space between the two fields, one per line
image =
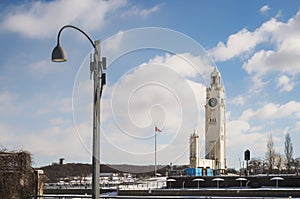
x=212 y=102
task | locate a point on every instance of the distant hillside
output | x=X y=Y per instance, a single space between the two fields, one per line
x=55 y=172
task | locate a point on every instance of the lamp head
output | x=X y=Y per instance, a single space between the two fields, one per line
x=58 y=54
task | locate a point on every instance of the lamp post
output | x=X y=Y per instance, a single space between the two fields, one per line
x=97 y=68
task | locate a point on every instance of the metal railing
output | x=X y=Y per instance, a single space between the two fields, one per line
x=60 y=197
x=69 y=197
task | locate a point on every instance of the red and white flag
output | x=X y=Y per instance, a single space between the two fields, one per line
x=157 y=129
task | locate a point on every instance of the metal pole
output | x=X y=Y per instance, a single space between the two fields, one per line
x=244 y=167
x=155 y=168
x=97 y=67
x=96 y=70
x=247 y=174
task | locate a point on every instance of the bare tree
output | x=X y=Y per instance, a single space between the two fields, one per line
x=296 y=164
x=278 y=161
x=270 y=155
x=256 y=166
x=288 y=151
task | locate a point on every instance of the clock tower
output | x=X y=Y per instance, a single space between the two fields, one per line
x=215 y=121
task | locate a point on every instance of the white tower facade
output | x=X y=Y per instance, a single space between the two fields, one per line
x=194 y=150
x=215 y=122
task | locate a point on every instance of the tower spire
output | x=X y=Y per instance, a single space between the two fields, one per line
x=215 y=78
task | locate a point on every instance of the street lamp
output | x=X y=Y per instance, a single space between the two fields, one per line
x=97 y=68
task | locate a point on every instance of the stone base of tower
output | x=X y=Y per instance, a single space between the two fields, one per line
x=207 y=163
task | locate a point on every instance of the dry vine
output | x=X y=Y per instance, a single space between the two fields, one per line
x=17 y=179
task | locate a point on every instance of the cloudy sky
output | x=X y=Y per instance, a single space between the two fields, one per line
x=160 y=55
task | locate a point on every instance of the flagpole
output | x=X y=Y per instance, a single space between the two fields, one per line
x=155 y=168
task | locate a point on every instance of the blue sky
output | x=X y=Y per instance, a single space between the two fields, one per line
x=255 y=46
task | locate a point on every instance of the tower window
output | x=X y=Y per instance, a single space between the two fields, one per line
x=213 y=120
x=214 y=79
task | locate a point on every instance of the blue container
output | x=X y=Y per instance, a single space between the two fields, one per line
x=192 y=172
x=198 y=172
x=185 y=172
x=209 y=172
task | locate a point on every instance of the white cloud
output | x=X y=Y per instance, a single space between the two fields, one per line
x=152 y=93
x=285 y=56
x=42 y=68
x=245 y=41
x=52 y=127
x=250 y=130
x=282 y=54
x=239 y=138
x=6 y=134
x=40 y=19
x=285 y=83
x=138 y=12
x=237 y=44
x=114 y=43
x=44 y=105
x=264 y=9
x=64 y=105
x=239 y=100
x=257 y=84
x=273 y=111
x=147 y=12
x=284 y=59
x=49 y=143
x=296 y=128
x=278 y=15
x=185 y=64
x=40 y=105
x=59 y=121
x=6 y=101
x=257 y=62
